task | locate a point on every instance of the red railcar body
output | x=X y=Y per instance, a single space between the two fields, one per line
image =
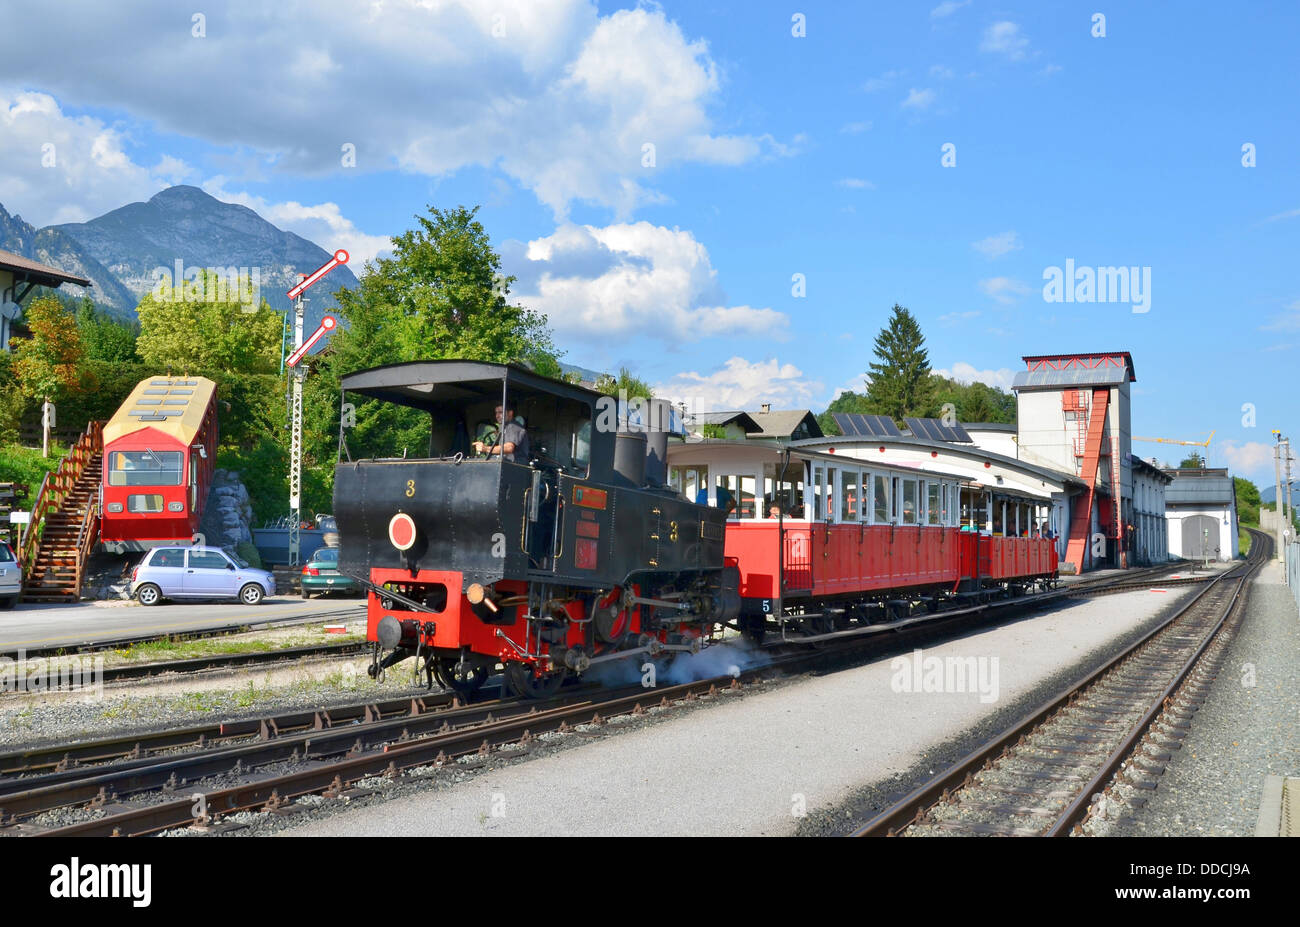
x=160 y=450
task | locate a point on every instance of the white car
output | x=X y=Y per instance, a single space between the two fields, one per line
x=11 y=577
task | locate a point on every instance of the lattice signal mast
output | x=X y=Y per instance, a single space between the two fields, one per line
x=298 y=371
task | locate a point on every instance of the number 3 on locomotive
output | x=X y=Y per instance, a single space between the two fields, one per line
x=410 y=488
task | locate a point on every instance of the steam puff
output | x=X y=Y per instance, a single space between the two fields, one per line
x=730 y=658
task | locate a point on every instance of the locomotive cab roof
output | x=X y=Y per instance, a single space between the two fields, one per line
x=424 y=384
x=561 y=418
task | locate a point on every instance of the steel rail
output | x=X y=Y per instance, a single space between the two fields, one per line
x=913 y=806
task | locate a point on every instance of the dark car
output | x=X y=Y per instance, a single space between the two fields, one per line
x=321 y=574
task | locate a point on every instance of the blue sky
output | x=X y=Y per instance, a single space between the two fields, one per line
x=774 y=155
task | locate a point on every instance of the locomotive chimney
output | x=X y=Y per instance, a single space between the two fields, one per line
x=659 y=424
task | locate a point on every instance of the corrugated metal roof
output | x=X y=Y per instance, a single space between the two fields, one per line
x=1200 y=488
x=1049 y=379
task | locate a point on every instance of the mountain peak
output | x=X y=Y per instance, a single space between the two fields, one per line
x=181 y=191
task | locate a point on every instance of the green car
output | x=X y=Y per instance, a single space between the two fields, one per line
x=321 y=574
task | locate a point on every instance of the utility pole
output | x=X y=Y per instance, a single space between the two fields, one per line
x=1286 y=482
x=297 y=372
x=1277 y=480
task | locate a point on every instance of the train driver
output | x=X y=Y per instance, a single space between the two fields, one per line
x=513 y=439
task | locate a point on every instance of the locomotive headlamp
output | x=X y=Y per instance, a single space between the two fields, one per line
x=477 y=595
x=401 y=531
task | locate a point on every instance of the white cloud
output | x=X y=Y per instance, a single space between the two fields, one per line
x=947 y=8
x=1051 y=69
x=1253 y=458
x=1004 y=289
x=556 y=96
x=741 y=384
x=942 y=72
x=321 y=223
x=630 y=279
x=1005 y=38
x=1287 y=321
x=968 y=373
x=856 y=183
x=997 y=245
x=884 y=80
x=856 y=128
x=91 y=171
x=951 y=318
x=918 y=99
x=856 y=384
x=1289 y=214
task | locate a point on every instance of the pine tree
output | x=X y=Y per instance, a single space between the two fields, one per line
x=900 y=377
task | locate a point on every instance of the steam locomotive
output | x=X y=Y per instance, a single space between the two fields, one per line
x=577 y=555
x=579 y=544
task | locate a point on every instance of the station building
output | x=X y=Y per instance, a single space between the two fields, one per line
x=1073 y=416
x=1201 y=513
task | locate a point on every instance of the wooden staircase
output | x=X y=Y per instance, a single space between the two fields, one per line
x=65 y=524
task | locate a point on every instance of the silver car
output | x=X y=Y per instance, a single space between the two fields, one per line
x=11 y=577
x=198 y=573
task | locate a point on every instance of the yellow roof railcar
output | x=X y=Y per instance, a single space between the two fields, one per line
x=160 y=449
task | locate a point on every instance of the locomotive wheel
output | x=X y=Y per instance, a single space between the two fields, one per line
x=522 y=681
x=462 y=683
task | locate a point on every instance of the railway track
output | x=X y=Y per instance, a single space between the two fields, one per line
x=125 y=783
x=1044 y=776
x=69 y=649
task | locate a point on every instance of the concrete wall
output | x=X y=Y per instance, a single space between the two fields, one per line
x=997 y=442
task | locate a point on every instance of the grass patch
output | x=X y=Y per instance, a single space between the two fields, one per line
x=155 y=651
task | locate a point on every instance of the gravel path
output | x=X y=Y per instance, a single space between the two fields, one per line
x=810 y=756
x=1242 y=733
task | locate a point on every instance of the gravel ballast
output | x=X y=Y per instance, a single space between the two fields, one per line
x=812 y=756
x=1246 y=730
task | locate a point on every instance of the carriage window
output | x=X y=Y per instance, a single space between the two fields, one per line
x=145 y=468
x=881 y=495
x=747 y=501
x=724 y=491
x=933 y=508
x=828 y=512
x=783 y=489
x=851 y=497
x=819 y=492
x=999 y=522
x=691 y=482
x=911 y=502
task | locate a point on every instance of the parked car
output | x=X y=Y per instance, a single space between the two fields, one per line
x=198 y=573
x=11 y=577
x=321 y=574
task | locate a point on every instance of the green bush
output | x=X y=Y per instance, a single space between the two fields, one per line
x=27 y=466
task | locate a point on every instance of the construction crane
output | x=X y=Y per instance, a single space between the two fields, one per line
x=1205 y=443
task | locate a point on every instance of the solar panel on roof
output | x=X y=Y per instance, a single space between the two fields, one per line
x=869 y=426
x=933 y=429
x=922 y=428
